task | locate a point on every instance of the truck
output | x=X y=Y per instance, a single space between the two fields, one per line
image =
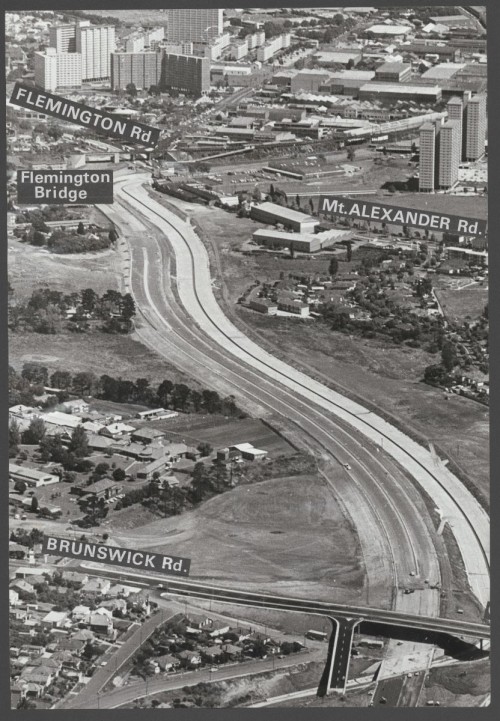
x=316 y=635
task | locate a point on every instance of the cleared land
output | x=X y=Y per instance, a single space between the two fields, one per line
x=284 y=535
x=384 y=375
x=463 y=300
x=465 y=685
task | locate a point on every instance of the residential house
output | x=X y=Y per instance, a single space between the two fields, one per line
x=116 y=430
x=55 y=619
x=22 y=586
x=167 y=662
x=80 y=613
x=101 y=623
x=217 y=629
x=74 y=577
x=147 y=435
x=75 y=406
x=105 y=488
x=213 y=653
x=25 y=571
x=189 y=659
x=99 y=586
x=231 y=650
x=13 y=597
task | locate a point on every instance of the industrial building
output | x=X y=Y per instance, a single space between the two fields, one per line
x=292 y=219
x=186 y=73
x=347 y=82
x=393 y=72
x=309 y=80
x=389 y=31
x=301 y=242
x=340 y=57
x=142 y=69
x=395 y=91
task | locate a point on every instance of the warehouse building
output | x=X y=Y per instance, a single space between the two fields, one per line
x=292 y=219
x=300 y=242
x=393 y=73
x=395 y=91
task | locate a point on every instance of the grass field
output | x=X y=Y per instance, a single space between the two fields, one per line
x=284 y=535
x=462 y=302
x=30 y=268
x=115 y=355
x=222 y=431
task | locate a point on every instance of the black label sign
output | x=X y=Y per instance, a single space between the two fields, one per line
x=115 y=556
x=391 y=214
x=102 y=122
x=64 y=187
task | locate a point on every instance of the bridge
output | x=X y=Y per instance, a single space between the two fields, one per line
x=344 y=619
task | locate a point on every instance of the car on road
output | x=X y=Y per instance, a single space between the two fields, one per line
x=346 y=466
x=160 y=586
x=103 y=663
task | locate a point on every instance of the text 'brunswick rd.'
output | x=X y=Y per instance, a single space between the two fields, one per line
x=116 y=556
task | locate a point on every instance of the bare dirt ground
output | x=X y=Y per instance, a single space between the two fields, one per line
x=285 y=535
x=467 y=684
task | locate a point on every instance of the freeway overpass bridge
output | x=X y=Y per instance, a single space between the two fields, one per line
x=344 y=619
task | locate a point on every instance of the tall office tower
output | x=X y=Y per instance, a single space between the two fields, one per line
x=186 y=73
x=95 y=43
x=475 y=127
x=427 y=164
x=63 y=38
x=197 y=25
x=141 y=69
x=455 y=109
x=450 y=146
x=46 y=70
x=58 y=70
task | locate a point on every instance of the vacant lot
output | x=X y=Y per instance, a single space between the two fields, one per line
x=284 y=535
x=464 y=685
x=221 y=431
x=102 y=353
x=461 y=302
x=30 y=267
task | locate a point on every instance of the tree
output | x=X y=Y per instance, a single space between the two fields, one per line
x=35 y=373
x=448 y=356
x=14 y=438
x=128 y=307
x=38 y=238
x=351 y=153
x=164 y=392
x=79 y=442
x=333 y=268
x=119 y=474
x=113 y=235
x=205 y=448
x=34 y=504
x=131 y=89
x=35 y=432
x=20 y=487
x=180 y=395
x=81 y=228
x=89 y=300
x=61 y=379
x=311 y=205
x=349 y=251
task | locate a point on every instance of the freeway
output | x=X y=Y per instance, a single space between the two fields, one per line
x=469 y=521
x=393 y=542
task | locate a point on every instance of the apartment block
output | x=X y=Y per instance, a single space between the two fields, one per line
x=427 y=165
x=141 y=69
x=186 y=73
x=95 y=43
x=450 y=147
x=475 y=127
x=196 y=25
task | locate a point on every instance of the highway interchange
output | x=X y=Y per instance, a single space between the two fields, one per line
x=367 y=461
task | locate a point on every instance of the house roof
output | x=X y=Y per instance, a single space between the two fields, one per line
x=102 y=485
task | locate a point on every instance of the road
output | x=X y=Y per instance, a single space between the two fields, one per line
x=339 y=655
x=197 y=589
x=162 y=682
x=298 y=397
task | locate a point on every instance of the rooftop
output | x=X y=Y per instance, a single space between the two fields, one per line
x=389 y=29
x=282 y=212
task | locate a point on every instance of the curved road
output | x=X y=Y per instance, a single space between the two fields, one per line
x=324 y=413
